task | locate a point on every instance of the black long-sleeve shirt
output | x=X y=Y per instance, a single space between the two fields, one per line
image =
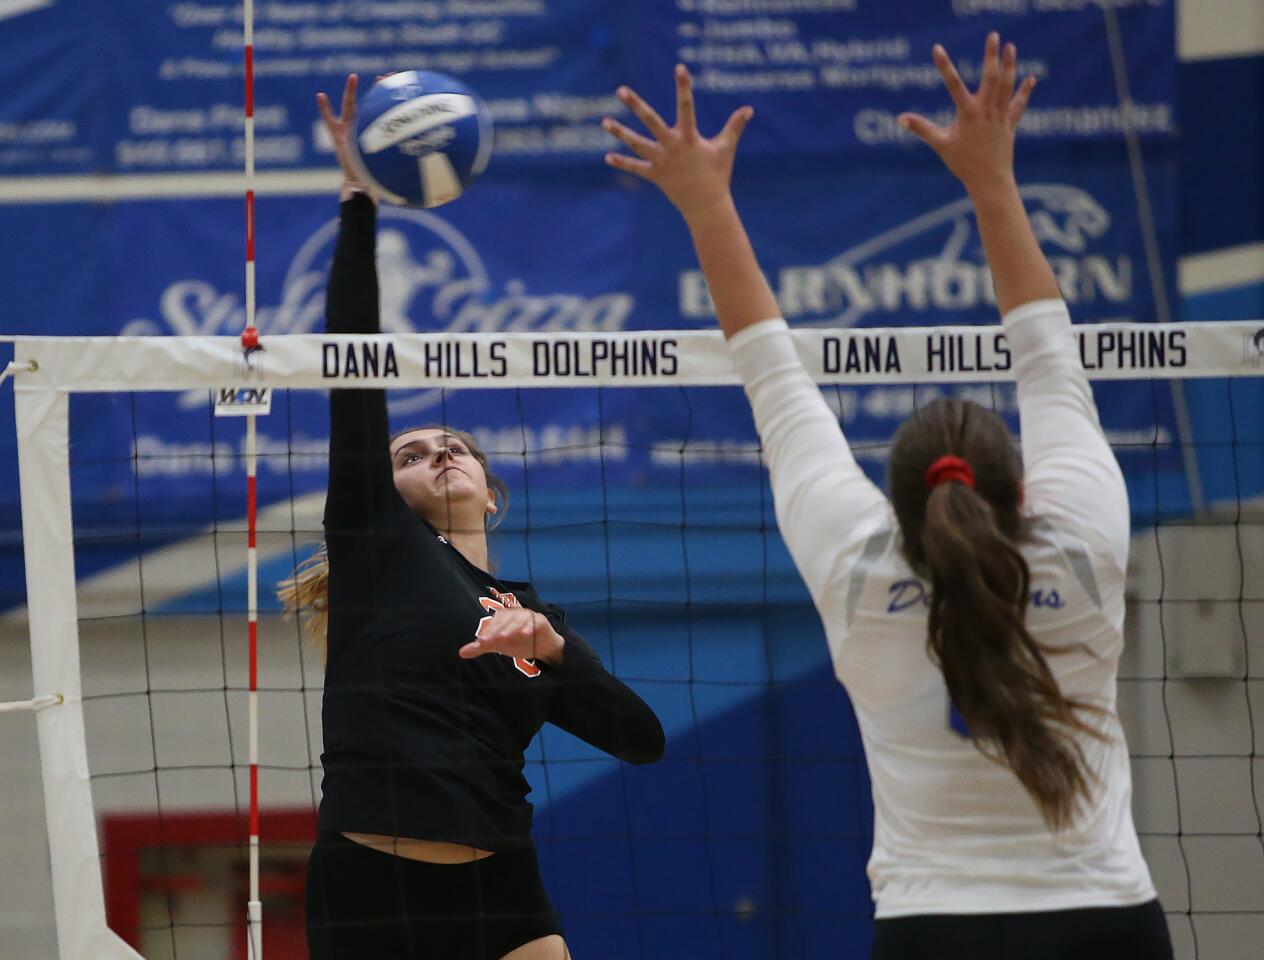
x=419 y=742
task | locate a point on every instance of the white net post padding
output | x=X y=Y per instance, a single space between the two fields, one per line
x=44 y=480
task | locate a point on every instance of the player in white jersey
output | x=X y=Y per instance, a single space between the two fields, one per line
x=975 y=618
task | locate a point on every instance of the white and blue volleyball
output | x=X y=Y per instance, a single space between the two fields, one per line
x=423 y=137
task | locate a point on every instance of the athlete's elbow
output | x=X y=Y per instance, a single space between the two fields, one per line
x=641 y=758
x=649 y=748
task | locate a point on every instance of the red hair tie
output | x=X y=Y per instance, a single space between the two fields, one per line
x=949 y=468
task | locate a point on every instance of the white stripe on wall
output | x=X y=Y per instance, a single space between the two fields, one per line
x=15 y=8
x=1222 y=269
x=1211 y=29
x=151 y=186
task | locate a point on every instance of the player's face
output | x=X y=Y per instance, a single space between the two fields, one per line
x=440 y=479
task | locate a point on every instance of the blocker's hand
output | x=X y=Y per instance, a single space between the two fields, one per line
x=516 y=632
x=342 y=132
x=692 y=170
x=978 y=146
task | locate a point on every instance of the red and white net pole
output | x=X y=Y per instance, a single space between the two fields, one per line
x=250 y=341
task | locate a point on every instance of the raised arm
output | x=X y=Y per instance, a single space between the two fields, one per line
x=1069 y=466
x=694 y=173
x=824 y=501
x=360 y=481
x=978 y=148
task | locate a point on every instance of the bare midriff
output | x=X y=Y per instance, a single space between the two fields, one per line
x=427 y=851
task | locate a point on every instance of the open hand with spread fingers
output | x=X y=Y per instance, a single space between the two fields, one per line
x=342 y=132
x=516 y=632
x=692 y=170
x=978 y=146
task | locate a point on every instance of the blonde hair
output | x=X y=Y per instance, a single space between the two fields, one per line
x=305 y=594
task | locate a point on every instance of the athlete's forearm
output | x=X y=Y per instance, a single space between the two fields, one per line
x=597 y=707
x=741 y=293
x=1020 y=272
x=607 y=714
x=351 y=300
x=360 y=481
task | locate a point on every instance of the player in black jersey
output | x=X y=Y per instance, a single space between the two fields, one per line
x=438 y=675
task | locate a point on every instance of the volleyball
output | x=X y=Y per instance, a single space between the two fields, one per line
x=423 y=137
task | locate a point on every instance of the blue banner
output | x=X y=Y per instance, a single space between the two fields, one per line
x=608 y=255
x=856 y=224
x=144 y=88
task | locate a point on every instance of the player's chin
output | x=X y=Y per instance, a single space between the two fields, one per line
x=433 y=503
x=456 y=486
x=442 y=505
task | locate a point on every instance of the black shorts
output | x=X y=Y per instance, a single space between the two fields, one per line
x=1097 y=933
x=365 y=903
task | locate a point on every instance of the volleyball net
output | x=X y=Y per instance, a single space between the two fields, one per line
x=639 y=504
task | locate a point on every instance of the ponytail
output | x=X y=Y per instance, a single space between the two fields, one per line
x=996 y=672
x=305 y=595
x=955 y=483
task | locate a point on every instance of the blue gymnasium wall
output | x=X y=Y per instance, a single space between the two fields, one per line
x=1222 y=207
x=749 y=839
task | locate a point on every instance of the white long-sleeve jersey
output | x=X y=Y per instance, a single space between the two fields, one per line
x=955 y=832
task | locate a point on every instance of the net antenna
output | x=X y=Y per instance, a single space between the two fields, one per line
x=249 y=345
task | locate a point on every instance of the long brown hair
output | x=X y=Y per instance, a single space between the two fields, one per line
x=305 y=594
x=965 y=541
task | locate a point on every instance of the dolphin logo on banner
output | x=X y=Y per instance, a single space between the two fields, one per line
x=934 y=261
